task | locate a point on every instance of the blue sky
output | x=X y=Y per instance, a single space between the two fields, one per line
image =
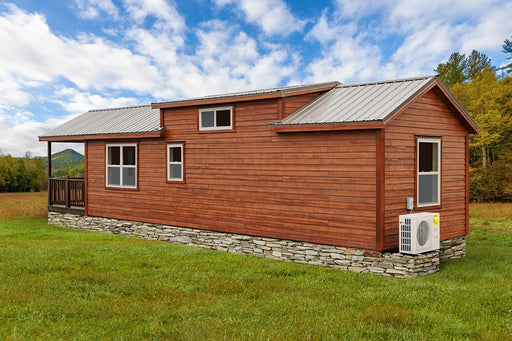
x=62 y=58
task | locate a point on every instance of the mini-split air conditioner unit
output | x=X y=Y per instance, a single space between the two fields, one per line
x=419 y=232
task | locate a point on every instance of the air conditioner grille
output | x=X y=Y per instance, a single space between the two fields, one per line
x=423 y=232
x=406 y=235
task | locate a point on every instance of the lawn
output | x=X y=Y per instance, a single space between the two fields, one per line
x=26 y=205
x=59 y=283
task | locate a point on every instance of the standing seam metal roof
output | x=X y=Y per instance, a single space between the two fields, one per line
x=281 y=90
x=375 y=101
x=126 y=120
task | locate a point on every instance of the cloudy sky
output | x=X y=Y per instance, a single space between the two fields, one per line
x=62 y=58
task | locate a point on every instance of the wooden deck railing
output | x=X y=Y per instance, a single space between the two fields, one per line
x=66 y=193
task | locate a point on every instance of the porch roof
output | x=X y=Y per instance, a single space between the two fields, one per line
x=134 y=121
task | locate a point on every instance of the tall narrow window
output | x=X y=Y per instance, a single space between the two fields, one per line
x=216 y=118
x=429 y=170
x=122 y=165
x=175 y=162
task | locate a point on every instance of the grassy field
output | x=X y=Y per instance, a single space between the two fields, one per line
x=23 y=205
x=59 y=283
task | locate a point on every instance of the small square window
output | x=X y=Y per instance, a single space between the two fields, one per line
x=208 y=119
x=223 y=118
x=121 y=165
x=216 y=118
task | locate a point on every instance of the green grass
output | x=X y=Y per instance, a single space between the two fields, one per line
x=60 y=283
x=495 y=217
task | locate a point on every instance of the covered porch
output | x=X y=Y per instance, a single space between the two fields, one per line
x=65 y=195
x=69 y=195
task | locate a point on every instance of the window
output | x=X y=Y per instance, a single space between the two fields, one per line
x=429 y=164
x=122 y=165
x=216 y=118
x=175 y=162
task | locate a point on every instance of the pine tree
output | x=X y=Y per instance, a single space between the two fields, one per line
x=507 y=48
x=454 y=70
x=476 y=63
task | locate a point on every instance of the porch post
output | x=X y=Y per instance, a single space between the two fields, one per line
x=49 y=159
x=49 y=173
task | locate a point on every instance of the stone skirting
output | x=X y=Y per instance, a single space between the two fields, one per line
x=452 y=248
x=353 y=259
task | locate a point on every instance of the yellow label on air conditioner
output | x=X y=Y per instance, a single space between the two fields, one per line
x=436 y=219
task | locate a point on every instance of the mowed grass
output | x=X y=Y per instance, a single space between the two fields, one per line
x=23 y=205
x=60 y=283
x=496 y=216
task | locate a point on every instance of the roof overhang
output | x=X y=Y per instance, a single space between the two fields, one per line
x=296 y=128
x=248 y=96
x=119 y=136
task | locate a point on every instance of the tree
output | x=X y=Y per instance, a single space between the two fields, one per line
x=476 y=63
x=22 y=174
x=454 y=70
x=486 y=99
x=507 y=48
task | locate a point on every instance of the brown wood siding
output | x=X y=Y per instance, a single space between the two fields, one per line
x=292 y=103
x=427 y=116
x=317 y=187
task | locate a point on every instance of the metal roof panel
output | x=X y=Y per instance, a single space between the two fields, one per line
x=362 y=102
x=280 y=90
x=126 y=120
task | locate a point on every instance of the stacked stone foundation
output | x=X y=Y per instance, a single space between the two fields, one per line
x=353 y=259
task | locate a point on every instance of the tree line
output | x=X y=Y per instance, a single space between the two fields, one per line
x=26 y=174
x=485 y=92
x=29 y=174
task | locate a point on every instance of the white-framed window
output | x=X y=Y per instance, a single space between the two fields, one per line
x=121 y=165
x=175 y=162
x=216 y=118
x=428 y=171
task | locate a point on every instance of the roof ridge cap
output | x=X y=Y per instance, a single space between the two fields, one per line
x=398 y=80
x=120 y=108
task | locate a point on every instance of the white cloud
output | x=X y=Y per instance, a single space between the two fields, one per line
x=139 y=10
x=272 y=16
x=357 y=9
x=328 y=32
x=75 y=101
x=490 y=30
x=90 y=9
x=21 y=132
x=349 y=60
x=232 y=60
x=345 y=55
x=355 y=37
x=31 y=51
x=424 y=48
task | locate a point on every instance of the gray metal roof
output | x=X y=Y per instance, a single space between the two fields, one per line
x=281 y=90
x=375 y=101
x=136 y=119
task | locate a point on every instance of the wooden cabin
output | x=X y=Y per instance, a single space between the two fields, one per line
x=325 y=163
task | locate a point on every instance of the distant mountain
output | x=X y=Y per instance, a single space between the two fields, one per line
x=66 y=163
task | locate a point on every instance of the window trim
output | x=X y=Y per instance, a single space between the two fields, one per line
x=182 y=163
x=215 y=127
x=436 y=140
x=121 y=166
